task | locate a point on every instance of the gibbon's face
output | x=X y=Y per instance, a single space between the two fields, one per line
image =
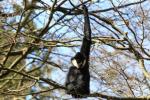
x=74 y=62
x=78 y=60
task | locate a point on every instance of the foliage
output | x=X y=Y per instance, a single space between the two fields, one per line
x=38 y=38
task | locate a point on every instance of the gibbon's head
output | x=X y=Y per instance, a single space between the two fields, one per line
x=78 y=60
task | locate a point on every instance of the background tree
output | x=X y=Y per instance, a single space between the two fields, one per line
x=38 y=38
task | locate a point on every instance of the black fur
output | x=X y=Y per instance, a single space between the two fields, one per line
x=77 y=83
x=80 y=58
x=78 y=79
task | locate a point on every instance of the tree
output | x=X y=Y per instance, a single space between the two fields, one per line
x=38 y=38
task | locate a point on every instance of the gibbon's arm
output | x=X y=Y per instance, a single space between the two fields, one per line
x=86 y=43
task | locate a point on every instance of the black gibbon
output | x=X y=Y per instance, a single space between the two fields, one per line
x=78 y=77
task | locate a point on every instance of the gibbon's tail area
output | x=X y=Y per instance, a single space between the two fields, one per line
x=78 y=77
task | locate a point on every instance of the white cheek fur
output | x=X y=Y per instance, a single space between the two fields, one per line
x=74 y=62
